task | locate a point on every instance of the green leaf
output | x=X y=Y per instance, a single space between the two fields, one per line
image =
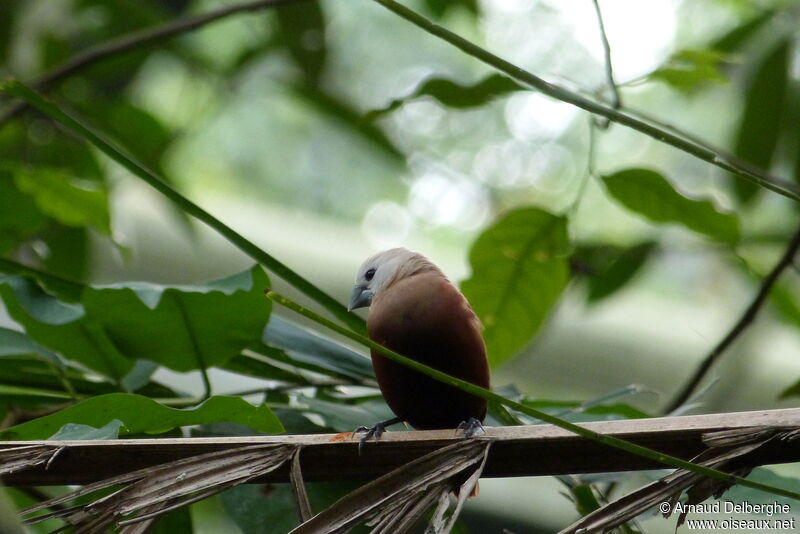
x=304 y=346
x=519 y=270
x=72 y=431
x=785 y=300
x=345 y=417
x=765 y=105
x=440 y=7
x=20 y=218
x=272 y=509
x=143 y=415
x=14 y=343
x=690 y=69
x=67 y=252
x=455 y=95
x=791 y=391
x=179 y=520
x=62 y=288
x=302 y=30
x=258 y=365
x=608 y=268
x=649 y=194
x=183 y=327
x=66 y=199
x=62 y=327
x=765 y=475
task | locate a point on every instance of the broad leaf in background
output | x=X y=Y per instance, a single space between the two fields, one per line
x=519 y=269
x=72 y=431
x=608 y=268
x=765 y=475
x=68 y=200
x=183 y=327
x=455 y=95
x=246 y=505
x=691 y=69
x=764 y=108
x=304 y=346
x=20 y=218
x=440 y=7
x=649 y=194
x=302 y=29
x=62 y=327
x=66 y=252
x=141 y=414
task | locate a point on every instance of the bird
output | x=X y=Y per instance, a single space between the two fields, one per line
x=416 y=311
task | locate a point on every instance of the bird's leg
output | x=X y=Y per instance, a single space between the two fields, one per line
x=471 y=427
x=374 y=431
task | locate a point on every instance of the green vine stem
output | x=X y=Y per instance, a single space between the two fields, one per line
x=491 y=396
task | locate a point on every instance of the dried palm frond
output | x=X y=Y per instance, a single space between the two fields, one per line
x=396 y=501
x=21 y=458
x=725 y=452
x=154 y=491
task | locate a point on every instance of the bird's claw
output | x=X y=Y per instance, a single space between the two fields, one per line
x=471 y=427
x=375 y=431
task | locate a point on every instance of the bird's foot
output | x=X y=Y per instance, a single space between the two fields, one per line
x=374 y=431
x=471 y=427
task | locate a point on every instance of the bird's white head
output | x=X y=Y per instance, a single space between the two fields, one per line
x=382 y=270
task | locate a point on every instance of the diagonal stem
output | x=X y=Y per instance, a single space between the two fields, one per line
x=681 y=142
x=744 y=321
x=491 y=396
x=133 y=41
x=616 y=99
x=23 y=92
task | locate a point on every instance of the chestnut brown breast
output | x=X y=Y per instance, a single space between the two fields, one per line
x=424 y=317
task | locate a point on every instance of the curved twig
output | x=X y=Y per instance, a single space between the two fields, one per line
x=616 y=99
x=744 y=321
x=132 y=41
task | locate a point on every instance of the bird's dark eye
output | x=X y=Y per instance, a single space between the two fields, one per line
x=369 y=274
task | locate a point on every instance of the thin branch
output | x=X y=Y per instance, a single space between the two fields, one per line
x=616 y=99
x=715 y=157
x=491 y=396
x=744 y=321
x=133 y=41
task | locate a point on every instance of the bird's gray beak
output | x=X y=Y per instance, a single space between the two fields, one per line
x=361 y=298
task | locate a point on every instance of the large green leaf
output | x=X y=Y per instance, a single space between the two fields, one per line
x=143 y=415
x=519 y=269
x=455 y=95
x=71 y=202
x=62 y=327
x=764 y=107
x=649 y=194
x=183 y=327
